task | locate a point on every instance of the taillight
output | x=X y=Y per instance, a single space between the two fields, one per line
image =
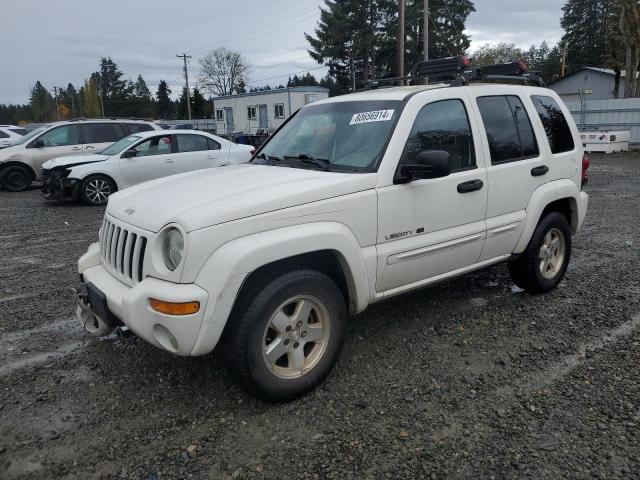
x=585 y=166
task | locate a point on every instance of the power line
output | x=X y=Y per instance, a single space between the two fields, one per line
x=184 y=57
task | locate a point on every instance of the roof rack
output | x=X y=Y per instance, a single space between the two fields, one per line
x=457 y=71
x=83 y=119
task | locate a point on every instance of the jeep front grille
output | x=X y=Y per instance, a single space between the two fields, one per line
x=122 y=251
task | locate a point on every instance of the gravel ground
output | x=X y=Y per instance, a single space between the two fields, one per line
x=469 y=379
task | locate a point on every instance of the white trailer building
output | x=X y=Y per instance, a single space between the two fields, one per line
x=257 y=113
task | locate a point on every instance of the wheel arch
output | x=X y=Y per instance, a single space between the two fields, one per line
x=239 y=265
x=99 y=173
x=559 y=196
x=14 y=163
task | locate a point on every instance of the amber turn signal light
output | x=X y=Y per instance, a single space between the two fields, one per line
x=170 y=308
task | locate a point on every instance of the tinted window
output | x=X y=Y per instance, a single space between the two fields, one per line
x=19 y=131
x=213 y=145
x=102 y=132
x=3 y=135
x=60 y=136
x=192 y=143
x=442 y=126
x=154 y=146
x=508 y=128
x=555 y=124
x=131 y=128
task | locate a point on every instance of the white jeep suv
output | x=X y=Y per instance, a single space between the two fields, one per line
x=20 y=163
x=353 y=200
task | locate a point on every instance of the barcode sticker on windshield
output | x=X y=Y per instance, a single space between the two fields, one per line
x=375 y=116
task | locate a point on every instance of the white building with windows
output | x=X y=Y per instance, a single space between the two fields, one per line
x=261 y=112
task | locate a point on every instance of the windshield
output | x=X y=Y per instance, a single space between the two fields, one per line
x=120 y=145
x=30 y=135
x=342 y=136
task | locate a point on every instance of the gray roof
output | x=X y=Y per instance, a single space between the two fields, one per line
x=307 y=89
x=607 y=71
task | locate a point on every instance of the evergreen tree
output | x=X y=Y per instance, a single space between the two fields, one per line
x=91 y=100
x=41 y=103
x=198 y=104
x=590 y=38
x=141 y=99
x=182 y=105
x=165 y=107
x=116 y=92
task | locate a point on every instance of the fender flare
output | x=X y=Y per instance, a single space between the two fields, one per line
x=543 y=196
x=225 y=271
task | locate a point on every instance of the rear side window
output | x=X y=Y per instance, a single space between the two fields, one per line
x=192 y=143
x=3 y=135
x=444 y=126
x=555 y=124
x=102 y=132
x=213 y=145
x=509 y=131
x=132 y=128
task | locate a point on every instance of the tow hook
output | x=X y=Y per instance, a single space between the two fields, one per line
x=124 y=333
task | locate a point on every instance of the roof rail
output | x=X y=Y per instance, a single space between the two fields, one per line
x=457 y=71
x=82 y=119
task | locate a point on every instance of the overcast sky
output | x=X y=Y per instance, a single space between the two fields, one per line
x=60 y=41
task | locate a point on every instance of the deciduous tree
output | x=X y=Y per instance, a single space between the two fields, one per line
x=223 y=72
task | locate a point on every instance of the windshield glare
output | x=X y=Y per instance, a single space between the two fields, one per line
x=350 y=136
x=30 y=135
x=120 y=145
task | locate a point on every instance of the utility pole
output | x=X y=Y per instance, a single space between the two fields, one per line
x=400 y=40
x=425 y=45
x=184 y=57
x=55 y=92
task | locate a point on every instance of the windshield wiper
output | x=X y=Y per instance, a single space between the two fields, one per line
x=269 y=159
x=322 y=163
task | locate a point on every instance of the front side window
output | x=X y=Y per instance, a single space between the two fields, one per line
x=19 y=131
x=340 y=136
x=102 y=132
x=555 y=124
x=61 y=136
x=442 y=125
x=154 y=146
x=509 y=131
x=251 y=113
x=30 y=135
x=279 y=110
x=192 y=143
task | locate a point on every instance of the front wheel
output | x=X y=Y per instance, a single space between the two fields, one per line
x=15 y=178
x=542 y=266
x=288 y=336
x=95 y=189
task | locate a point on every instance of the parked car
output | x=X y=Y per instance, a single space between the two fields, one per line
x=135 y=159
x=9 y=134
x=182 y=126
x=20 y=164
x=355 y=199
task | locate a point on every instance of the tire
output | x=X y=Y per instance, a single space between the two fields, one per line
x=95 y=189
x=15 y=178
x=265 y=321
x=540 y=268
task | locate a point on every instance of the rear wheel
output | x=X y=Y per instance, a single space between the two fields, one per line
x=542 y=266
x=15 y=178
x=288 y=335
x=95 y=189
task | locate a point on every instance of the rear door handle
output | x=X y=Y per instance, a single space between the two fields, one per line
x=539 y=171
x=470 y=186
x=75 y=149
x=89 y=147
x=168 y=160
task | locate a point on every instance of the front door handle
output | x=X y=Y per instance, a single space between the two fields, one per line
x=168 y=160
x=470 y=186
x=89 y=147
x=539 y=171
x=75 y=149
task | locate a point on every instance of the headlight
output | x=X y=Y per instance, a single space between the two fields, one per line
x=172 y=248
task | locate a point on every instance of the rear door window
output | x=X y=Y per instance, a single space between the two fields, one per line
x=102 y=132
x=213 y=145
x=192 y=143
x=508 y=127
x=131 y=128
x=554 y=123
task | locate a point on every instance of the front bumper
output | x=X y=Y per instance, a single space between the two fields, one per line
x=55 y=187
x=130 y=305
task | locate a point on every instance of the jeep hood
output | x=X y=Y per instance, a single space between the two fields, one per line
x=209 y=197
x=72 y=160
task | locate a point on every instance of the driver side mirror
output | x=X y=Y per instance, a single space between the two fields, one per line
x=426 y=164
x=129 y=154
x=38 y=143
